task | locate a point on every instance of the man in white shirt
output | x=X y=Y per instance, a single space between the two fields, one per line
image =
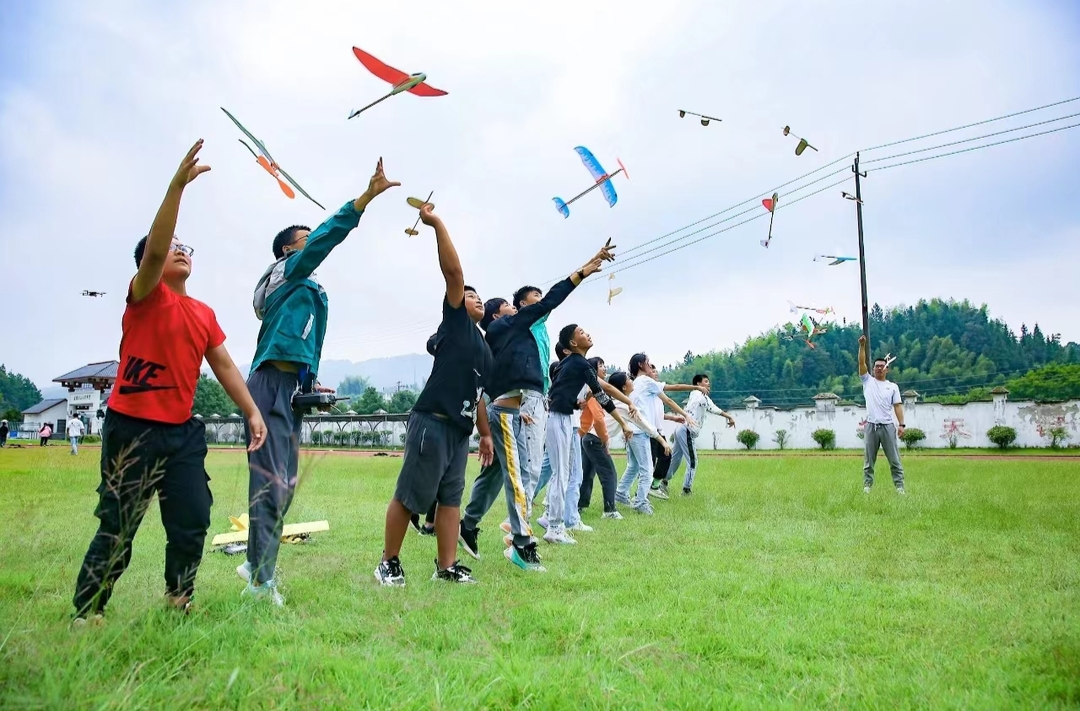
x=649 y=399
x=74 y=431
x=698 y=407
x=884 y=419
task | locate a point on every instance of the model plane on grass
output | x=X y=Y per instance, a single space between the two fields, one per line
x=602 y=178
x=412 y=83
x=291 y=533
x=264 y=159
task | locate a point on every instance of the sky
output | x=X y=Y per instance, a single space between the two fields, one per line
x=99 y=103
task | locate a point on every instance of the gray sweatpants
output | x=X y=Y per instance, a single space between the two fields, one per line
x=683 y=446
x=272 y=469
x=885 y=436
x=507 y=472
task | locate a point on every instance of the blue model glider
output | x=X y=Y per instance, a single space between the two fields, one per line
x=603 y=181
x=837 y=260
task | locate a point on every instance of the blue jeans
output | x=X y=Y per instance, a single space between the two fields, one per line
x=573 y=484
x=638 y=466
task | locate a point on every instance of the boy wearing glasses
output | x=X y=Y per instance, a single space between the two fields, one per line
x=292 y=306
x=150 y=441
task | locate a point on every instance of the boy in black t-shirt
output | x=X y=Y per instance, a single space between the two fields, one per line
x=441 y=422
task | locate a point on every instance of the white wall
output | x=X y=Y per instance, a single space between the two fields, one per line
x=968 y=423
x=34 y=422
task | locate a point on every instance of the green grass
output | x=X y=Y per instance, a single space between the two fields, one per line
x=778 y=585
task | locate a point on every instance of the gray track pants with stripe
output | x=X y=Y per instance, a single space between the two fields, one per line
x=884 y=435
x=506 y=472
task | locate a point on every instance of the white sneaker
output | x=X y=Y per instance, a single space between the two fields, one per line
x=613 y=515
x=266 y=591
x=901 y=491
x=543 y=521
x=658 y=493
x=559 y=535
x=244 y=571
x=866 y=490
x=581 y=526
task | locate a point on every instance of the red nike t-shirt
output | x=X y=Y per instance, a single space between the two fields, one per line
x=165 y=339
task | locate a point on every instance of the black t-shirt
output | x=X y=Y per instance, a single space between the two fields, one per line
x=462 y=365
x=571 y=375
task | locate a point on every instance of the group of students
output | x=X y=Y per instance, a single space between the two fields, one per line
x=538 y=425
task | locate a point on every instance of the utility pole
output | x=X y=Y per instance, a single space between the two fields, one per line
x=862 y=254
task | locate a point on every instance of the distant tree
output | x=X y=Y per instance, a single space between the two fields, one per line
x=211 y=399
x=401 y=401
x=1051 y=382
x=11 y=415
x=353 y=385
x=17 y=392
x=688 y=358
x=369 y=402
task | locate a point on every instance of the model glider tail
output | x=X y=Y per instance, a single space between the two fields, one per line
x=560 y=205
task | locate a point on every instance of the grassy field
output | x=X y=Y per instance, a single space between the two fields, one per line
x=779 y=584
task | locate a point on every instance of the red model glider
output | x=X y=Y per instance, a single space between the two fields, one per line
x=412 y=83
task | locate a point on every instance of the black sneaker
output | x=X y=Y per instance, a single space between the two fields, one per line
x=467 y=539
x=414 y=520
x=456 y=573
x=686 y=491
x=391 y=573
x=425 y=530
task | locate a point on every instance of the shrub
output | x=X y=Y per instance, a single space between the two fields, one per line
x=825 y=438
x=1001 y=435
x=316 y=437
x=780 y=438
x=1057 y=436
x=91 y=439
x=913 y=436
x=748 y=438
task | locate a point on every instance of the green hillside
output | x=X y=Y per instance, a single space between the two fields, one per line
x=946 y=350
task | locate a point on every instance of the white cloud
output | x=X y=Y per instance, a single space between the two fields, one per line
x=110 y=97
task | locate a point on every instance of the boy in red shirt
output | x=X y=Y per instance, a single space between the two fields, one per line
x=150 y=442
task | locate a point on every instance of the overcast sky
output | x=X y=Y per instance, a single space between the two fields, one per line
x=99 y=101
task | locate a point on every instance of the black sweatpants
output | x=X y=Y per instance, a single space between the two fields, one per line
x=663 y=461
x=138 y=459
x=596 y=460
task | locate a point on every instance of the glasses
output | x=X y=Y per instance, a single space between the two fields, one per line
x=182 y=248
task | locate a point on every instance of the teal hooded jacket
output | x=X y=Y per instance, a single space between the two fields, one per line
x=291 y=303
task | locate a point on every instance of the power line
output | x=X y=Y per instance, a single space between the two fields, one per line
x=975 y=148
x=970 y=125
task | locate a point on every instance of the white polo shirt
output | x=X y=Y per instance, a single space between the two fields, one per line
x=646 y=398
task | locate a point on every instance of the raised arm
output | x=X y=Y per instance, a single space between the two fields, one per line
x=528 y=315
x=449 y=262
x=159 y=241
x=335 y=229
x=863 y=370
x=674 y=406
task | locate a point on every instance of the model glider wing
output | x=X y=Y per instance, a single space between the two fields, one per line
x=593 y=165
x=424 y=89
x=256 y=141
x=302 y=191
x=383 y=71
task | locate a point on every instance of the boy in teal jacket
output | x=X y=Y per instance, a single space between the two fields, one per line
x=292 y=307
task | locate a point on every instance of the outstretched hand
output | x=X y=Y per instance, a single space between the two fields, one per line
x=189 y=167
x=378 y=183
x=862 y=340
x=607 y=252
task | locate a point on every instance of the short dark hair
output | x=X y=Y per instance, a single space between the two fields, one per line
x=635 y=363
x=596 y=362
x=469 y=288
x=491 y=307
x=698 y=378
x=566 y=334
x=561 y=350
x=618 y=380
x=286 y=237
x=880 y=360
x=524 y=291
x=140 y=250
